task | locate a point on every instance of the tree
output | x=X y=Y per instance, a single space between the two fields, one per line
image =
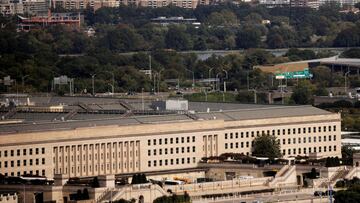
x=176 y=38
x=248 y=38
x=266 y=146
x=347 y=154
x=302 y=94
x=351 y=53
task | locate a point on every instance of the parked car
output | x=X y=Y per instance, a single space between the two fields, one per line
x=319 y=193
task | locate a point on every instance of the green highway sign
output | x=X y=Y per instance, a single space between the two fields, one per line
x=294 y=75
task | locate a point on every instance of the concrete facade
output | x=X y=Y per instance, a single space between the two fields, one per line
x=159 y=146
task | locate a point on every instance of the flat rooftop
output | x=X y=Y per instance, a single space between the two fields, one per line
x=202 y=111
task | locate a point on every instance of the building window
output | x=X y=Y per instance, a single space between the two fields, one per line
x=160 y=141
x=193 y=148
x=37 y=151
x=329 y=138
x=177 y=140
x=149 y=152
x=166 y=141
x=335 y=148
x=11 y=152
x=18 y=152
x=334 y=138
x=154 y=141
x=334 y=130
x=30 y=151
x=149 y=163
x=226 y=145
x=324 y=138
x=24 y=152
x=193 y=138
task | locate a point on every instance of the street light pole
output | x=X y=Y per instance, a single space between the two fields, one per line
x=209 y=76
x=23 y=81
x=193 y=77
x=345 y=87
x=113 y=81
x=93 y=86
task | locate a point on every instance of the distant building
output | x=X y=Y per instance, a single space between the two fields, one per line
x=175 y=20
x=11 y=7
x=38 y=22
x=315 y=4
x=35 y=7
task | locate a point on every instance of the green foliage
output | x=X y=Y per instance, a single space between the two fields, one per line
x=297 y=55
x=266 y=146
x=139 y=179
x=302 y=94
x=351 y=194
x=347 y=155
x=351 y=53
x=248 y=38
x=174 y=199
x=332 y=162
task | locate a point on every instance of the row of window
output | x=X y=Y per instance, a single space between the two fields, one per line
x=314 y=139
x=250 y=144
x=24 y=163
x=167 y=162
x=37 y=172
x=177 y=150
x=101 y=156
x=290 y=131
x=310 y=150
x=171 y=140
x=101 y=167
x=236 y=145
x=97 y=146
x=12 y=153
